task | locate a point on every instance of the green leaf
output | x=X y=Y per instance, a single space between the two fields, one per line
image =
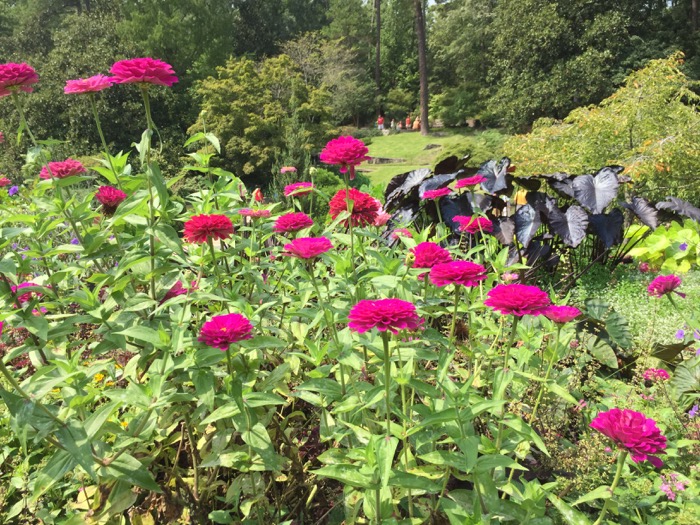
x=75 y=440
x=142 y=333
x=130 y=470
x=54 y=470
x=214 y=141
x=406 y=480
x=571 y=516
x=348 y=474
x=602 y=492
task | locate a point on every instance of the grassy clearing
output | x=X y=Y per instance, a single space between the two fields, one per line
x=410 y=147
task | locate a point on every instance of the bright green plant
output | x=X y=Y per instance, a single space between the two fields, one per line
x=671 y=249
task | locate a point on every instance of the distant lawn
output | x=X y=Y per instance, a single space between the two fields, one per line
x=411 y=148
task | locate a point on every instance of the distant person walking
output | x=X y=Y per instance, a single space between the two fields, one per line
x=380 y=123
x=393 y=124
x=408 y=122
x=416 y=124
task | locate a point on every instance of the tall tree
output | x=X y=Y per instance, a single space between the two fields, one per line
x=422 y=65
x=378 y=45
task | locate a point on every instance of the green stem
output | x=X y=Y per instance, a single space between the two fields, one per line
x=555 y=353
x=387 y=381
x=151 y=209
x=102 y=138
x=458 y=289
x=620 y=463
x=513 y=331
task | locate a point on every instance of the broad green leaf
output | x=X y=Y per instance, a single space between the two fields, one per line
x=130 y=470
x=570 y=515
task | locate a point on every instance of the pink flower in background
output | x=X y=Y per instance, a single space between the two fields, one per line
x=632 y=431
x=466 y=273
x=88 y=85
x=671 y=484
x=143 y=71
x=473 y=225
x=384 y=314
x=202 y=228
x=663 y=285
x=656 y=374
x=307 y=247
x=292 y=222
x=288 y=169
x=4 y=181
x=298 y=188
x=346 y=152
x=17 y=77
x=382 y=218
x=178 y=289
x=2 y=137
x=428 y=254
x=110 y=198
x=510 y=277
x=561 y=314
x=258 y=195
x=364 y=207
x=221 y=331
x=436 y=194
x=401 y=232
x=26 y=296
x=517 y=299
x=62 y=169
x=644 y=267
x=470 y=181
x=254 y=214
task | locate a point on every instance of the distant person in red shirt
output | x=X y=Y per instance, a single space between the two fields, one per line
x=380 y=122
x=408 y=122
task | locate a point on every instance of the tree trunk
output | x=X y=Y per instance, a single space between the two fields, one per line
x=377 y=49
x=422 y=66
x=694 y=14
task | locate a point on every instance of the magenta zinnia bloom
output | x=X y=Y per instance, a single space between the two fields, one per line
x=382 y=218
x=62 y=169
x=298 y=188
x=292 y=222
x=470 y=181
x=561 y=314
x=656 y=374
x=466 y=273
x=664 y=284
x=223 y=330
x=110 y=198
x=384 y=314
x=4 y=181
x=632 y=431
x=401 y=232
x=143 y=71
x=178 y=289
x=307 y=247
x=17 y=77
x=517 y=299
x=473 y=225
x=88 y=85
x=253 y=214
x=428 y=254
x=26 y=296
x=346 y=152
x=365 y=208
x=436 y=194
x=202 y=228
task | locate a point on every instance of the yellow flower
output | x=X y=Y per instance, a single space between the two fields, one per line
x=98 y=378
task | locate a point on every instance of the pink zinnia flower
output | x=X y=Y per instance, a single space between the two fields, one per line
x=143 y=71
x=517 y=299
x=632 y=431
x=384 y=314
x=292 y=222
x=62 y=169
x=473 y=225
x=436 y=194
x=88 y=85
x=401 y=232
x=298 y=188
x=364 y=207
x=17 y=77
x=307 y=247
x=561 y=314
x=178 y=289
x=26 y=296
x=466 y=273
x=223 y=330
x=644 y=267
x=254 y=214
x=202 y=228
x=470 y=181
x=510 y=277
x=288 y=169
x=4 y=181
x=382 y=218
x=346 y=152
x=664 y=284
x=656 y=374
x=428 y=254
x=110 y=198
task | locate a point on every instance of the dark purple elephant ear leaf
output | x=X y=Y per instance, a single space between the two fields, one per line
x=680 y=207
x=644 y=211
x=504 y=230
x=436 y=182
x=495 y=173
x=404 y=187
x=527 y=222
x=447 y=165
x=595 y=192
x=608 y=227
x=454 y=205
x=564 y=187
x=570 y=225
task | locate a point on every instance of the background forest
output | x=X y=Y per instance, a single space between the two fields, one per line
x=274 y=79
